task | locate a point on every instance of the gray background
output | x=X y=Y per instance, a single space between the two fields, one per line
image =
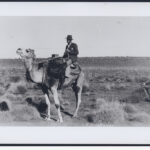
x=95 y=36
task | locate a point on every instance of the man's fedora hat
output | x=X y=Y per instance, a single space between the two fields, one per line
x=69 y=37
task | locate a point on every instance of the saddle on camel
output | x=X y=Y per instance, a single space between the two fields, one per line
x=57 y=67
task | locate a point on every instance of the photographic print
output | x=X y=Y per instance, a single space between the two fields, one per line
x=73 y=76
x=74 y=71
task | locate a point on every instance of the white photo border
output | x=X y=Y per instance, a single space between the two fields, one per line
x=74 y=135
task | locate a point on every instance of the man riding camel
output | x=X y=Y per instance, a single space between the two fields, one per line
x=70 y=55
x=70 y=59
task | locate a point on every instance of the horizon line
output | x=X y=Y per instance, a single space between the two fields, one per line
x=89 y=57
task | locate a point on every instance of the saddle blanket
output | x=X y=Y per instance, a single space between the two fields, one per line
x=57 y=66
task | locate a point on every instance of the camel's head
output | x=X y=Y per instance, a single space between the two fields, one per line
x=26 y=54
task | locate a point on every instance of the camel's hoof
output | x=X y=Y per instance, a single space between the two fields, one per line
x=47 y=119
x=60 y=121
x=75 y=116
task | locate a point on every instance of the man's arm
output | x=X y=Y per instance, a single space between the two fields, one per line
x=74 y=49
x=65 y=53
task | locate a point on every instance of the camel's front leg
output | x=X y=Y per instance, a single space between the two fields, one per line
x=78 y=92
x=57 y=102
x=48 y=117
x=46 y=94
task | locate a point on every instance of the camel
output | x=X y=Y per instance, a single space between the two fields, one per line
x=49 y=83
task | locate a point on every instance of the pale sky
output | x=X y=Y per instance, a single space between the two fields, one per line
x=95 y=36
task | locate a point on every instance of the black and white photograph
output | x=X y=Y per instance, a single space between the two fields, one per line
x=72 y=76
x=75 y=71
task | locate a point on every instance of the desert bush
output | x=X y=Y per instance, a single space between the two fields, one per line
x=129 y=108
x=108 y=113
x=21 y=89
x=5 y=116
x=12 y=97
x=137 y=96
x=140 y=117
x=18 y=88
x=38 y=103
x=100 y=102
x=85 y=87
x=120 y=86
x=2 y=91
x=113 y=86
x=5 y=104
x=25 y=112
x=111 y=113
x=106 y=86
x=104 y=112
x=141 y=79
x=5 y=110
x=14 y=79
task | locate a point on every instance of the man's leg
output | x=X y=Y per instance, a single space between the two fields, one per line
x=67 y=71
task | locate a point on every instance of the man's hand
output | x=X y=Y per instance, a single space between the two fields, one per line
x=68 y=50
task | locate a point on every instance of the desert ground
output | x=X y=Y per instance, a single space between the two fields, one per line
x=113 y=95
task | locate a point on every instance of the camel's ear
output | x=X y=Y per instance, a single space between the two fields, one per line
x=18 y=50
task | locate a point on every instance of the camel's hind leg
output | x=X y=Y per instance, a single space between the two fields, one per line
x=46 y=94
x=78 y=91
x=48 y=107
x=57 y=102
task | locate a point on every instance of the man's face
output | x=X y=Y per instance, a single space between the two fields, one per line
x=68 y=41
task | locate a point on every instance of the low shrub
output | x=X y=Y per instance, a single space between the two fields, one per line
x=2 y=91
x=18 y=88
x=129 y=108
x=108 y=113
x=85 y=87
x=25 y=112
x=15 y=79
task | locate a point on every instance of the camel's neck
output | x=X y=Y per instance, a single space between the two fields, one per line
x=29 y=64
x=35 y=74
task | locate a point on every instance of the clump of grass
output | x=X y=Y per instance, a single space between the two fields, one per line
x=24 y=112
x=120 y=86
x=5 y=110
x=85 y=87
x=108 y=113
x=5 y=104
x=107 y=86
x=136 y=96
x=111 y=113
x=5 y=116
x=113 y=86
x=140 y=117
x=12 y=97
x=2 y=91
x=129 y=108
x=14 y=79
x=141 y=79
x=100 y=101
x=21 y=89
x=114 y=113
x=18 y=88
